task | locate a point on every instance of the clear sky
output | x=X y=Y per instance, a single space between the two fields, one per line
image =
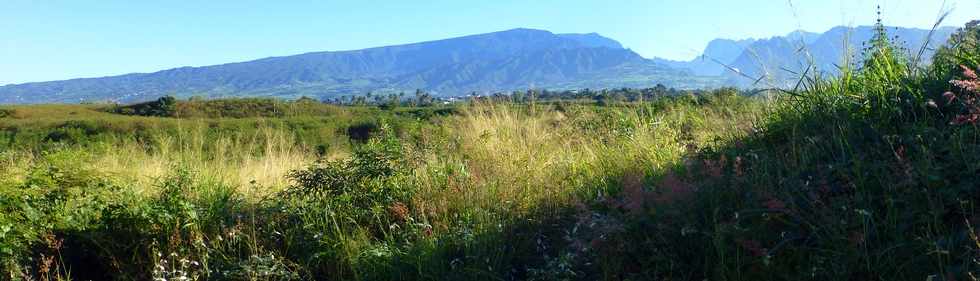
x=44 y=40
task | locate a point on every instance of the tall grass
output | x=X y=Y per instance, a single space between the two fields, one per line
x=870 y=175
x=257 y=161
x=491 y=173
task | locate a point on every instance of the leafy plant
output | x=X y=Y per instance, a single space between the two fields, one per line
x=362 y=186
x=966 y=95
x=165 y=106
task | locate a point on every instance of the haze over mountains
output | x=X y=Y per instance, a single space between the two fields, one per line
x=494 y=62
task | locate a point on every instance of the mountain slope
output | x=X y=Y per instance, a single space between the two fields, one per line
x=499 y=61
x=709 y=63
x=780 y=59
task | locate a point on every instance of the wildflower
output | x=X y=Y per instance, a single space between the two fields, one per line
x=634 y=193
x=739 y=166
x=673 y=189
x=715 y=168
x=399 y=211
x=969 y=93
x=950 y=97
x=753 y=247
x=687 y=230
x=969 y=73
x=46 y=262
x=965 y=119
x=776 y=205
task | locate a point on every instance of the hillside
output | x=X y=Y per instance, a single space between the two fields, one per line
x=500 y=61
x=710 y=61
x=781 y=57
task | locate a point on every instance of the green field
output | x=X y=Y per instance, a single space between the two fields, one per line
x=868 y=176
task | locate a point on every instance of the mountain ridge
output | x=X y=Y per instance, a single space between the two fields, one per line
x=513 y=59
x=779 y=58
x=523 y=58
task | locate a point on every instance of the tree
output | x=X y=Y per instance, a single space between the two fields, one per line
x=305 y=99
x=422 y=98
x=518 y=96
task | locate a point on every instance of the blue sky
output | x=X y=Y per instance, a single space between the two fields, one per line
x=51 y=40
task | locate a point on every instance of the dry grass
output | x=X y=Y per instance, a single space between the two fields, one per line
x=516 y=160
x=256 y=164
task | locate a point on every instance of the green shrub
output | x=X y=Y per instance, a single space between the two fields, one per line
x=254 y=107
x=854 y=177
x=163 y=107
x=55 y=198
x=362 y=131
x=362 y=187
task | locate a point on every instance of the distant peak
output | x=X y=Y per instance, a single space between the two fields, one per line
x=592 y=40
x=525 y=30
x=804 y=36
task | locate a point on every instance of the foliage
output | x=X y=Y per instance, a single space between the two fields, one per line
x=165 y=106
x=870 y=175
x=254 y=107
x=362 y=186
x=965 y=97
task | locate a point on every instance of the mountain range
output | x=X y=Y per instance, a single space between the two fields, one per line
x=500 y=61
x=779 y=60
x=494 y=62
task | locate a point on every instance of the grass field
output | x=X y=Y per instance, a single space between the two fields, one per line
x=868 y=176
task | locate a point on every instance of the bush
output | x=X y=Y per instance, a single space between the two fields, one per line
x=55 y=198
x=254 y=107
x=163 y=107
x=362 y=131
x=851 y=170
x=362 y=187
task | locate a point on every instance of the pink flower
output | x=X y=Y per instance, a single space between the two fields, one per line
x=776 y=205
x=969 y=89
x=969 y=73
x=753 y=247
x=950 y=97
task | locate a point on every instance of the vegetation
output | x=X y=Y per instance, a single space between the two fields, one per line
x=163 y=107
x=871 y=175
